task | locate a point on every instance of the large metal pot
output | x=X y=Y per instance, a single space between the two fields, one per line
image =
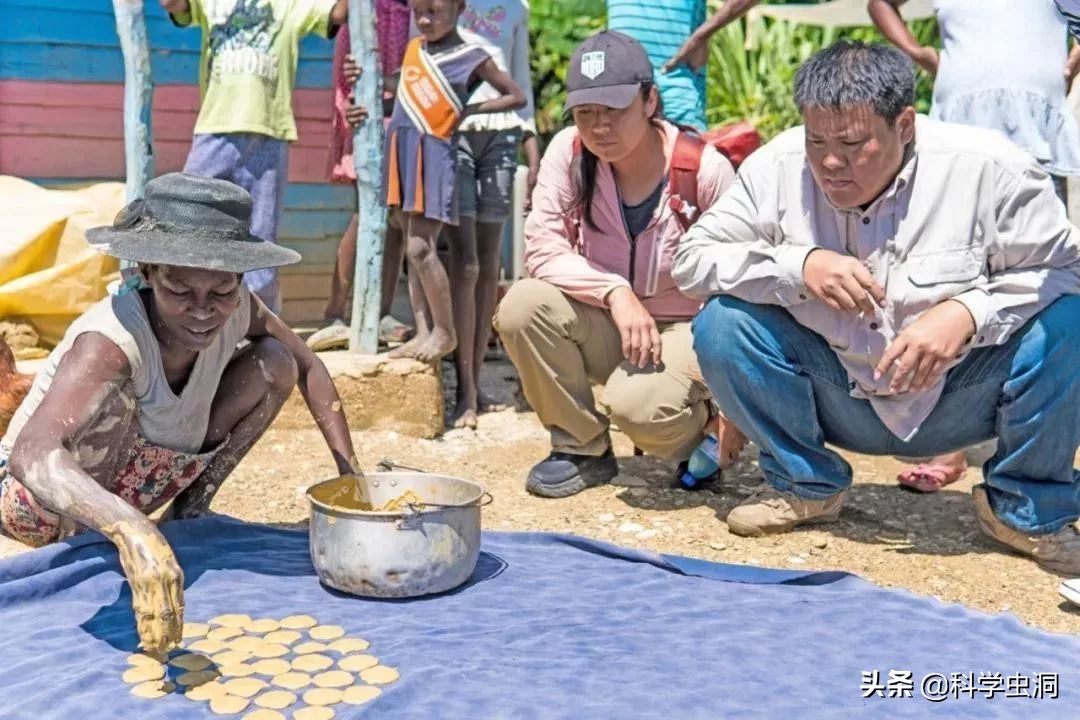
x=419 y=549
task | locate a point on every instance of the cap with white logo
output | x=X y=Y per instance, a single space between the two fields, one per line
x=607 y=69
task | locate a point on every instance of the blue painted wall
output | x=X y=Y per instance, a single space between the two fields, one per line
x=75 y=41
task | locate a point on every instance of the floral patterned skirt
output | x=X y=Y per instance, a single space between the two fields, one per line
x=152 y=476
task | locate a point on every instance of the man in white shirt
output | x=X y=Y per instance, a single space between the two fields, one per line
x=893 y=285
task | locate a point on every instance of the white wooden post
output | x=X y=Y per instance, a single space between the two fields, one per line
x=138 y=92
x=368 y=155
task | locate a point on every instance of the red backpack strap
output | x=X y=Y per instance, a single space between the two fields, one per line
x=575 y=157
x=573 y=218
x=683 y=179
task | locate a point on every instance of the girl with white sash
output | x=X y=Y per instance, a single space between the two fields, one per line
x=438 y=74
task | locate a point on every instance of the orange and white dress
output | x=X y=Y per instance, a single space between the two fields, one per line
x=421 y=160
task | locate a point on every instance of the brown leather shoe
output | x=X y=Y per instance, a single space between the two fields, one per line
x=769 y=511
x=1058 y=552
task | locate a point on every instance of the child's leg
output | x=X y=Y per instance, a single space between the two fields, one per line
x=489 y=245
x=335 y=332
x=496 y=166
x=417 y=302
x=344 y=269
x=393 y=255
x=419 y=305
x=464 y=270
x=390 y=328
x=421 y=235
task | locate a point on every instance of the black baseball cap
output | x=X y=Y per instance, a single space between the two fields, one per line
x=607 y=69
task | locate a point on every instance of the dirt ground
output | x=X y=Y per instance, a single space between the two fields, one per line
x=929 y=544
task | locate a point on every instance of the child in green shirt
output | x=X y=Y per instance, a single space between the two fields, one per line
x=247 y=74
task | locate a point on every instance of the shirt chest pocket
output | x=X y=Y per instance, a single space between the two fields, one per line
x=947 y=272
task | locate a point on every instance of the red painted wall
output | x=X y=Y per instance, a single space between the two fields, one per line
x=76 y=130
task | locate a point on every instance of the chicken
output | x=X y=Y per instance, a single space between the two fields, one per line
x=13 y=386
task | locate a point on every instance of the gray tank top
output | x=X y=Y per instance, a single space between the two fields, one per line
x=638 y=216
x=177 y=422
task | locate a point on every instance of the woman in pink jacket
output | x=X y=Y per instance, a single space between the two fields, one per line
x=614 y=196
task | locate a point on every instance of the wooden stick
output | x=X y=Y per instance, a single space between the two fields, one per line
x=368 y=156
x=138 y=93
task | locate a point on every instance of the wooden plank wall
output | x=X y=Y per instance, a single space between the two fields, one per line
x=61 y=98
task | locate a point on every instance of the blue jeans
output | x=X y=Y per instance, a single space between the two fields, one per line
x=786 y=389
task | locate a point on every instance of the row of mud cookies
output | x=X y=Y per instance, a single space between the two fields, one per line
x=264 y=668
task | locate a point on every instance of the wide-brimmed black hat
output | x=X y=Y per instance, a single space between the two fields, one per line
x=192 y=222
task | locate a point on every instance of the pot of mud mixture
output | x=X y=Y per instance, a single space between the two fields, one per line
x=416 y=533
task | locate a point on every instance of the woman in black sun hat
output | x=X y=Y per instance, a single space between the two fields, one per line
x=148 y=397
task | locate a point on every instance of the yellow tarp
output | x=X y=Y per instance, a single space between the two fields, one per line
x=48 y=274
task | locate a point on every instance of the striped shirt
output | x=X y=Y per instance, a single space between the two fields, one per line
x=662 y=26
x=1071 y=10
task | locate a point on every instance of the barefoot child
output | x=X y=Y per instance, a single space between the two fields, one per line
x=147 y=398
x=392 y=31
x=439 y=73
x=487 y=162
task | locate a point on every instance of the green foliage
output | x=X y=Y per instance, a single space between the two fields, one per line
x=753 y=81
x=556 y=27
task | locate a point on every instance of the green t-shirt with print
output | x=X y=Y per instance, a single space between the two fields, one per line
x=247 y=69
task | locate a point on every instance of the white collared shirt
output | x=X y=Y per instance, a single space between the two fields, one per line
x=969 y=217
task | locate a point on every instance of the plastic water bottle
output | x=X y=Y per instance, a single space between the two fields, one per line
x=703 y=463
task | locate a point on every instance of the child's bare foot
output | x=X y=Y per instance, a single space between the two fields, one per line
x=488 y=404
x=465 y=415
x=408 y=350
x=433 y=347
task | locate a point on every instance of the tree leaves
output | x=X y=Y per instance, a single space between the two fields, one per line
x=556 y=28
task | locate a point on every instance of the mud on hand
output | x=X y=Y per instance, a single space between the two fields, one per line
x=157 y=585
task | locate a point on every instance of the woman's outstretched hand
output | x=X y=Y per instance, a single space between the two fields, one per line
x=157 y=583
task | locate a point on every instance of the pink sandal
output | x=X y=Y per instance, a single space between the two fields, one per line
x=930 y=478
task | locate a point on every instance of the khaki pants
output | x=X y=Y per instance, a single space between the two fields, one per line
x=559 y=345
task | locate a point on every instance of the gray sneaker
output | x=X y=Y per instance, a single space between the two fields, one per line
x=565 y=474
x=769 y=511
x=1058 y=552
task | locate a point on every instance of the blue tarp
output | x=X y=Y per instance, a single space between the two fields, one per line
x=550 y=626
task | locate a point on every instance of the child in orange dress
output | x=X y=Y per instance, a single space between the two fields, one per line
x=439 y=73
